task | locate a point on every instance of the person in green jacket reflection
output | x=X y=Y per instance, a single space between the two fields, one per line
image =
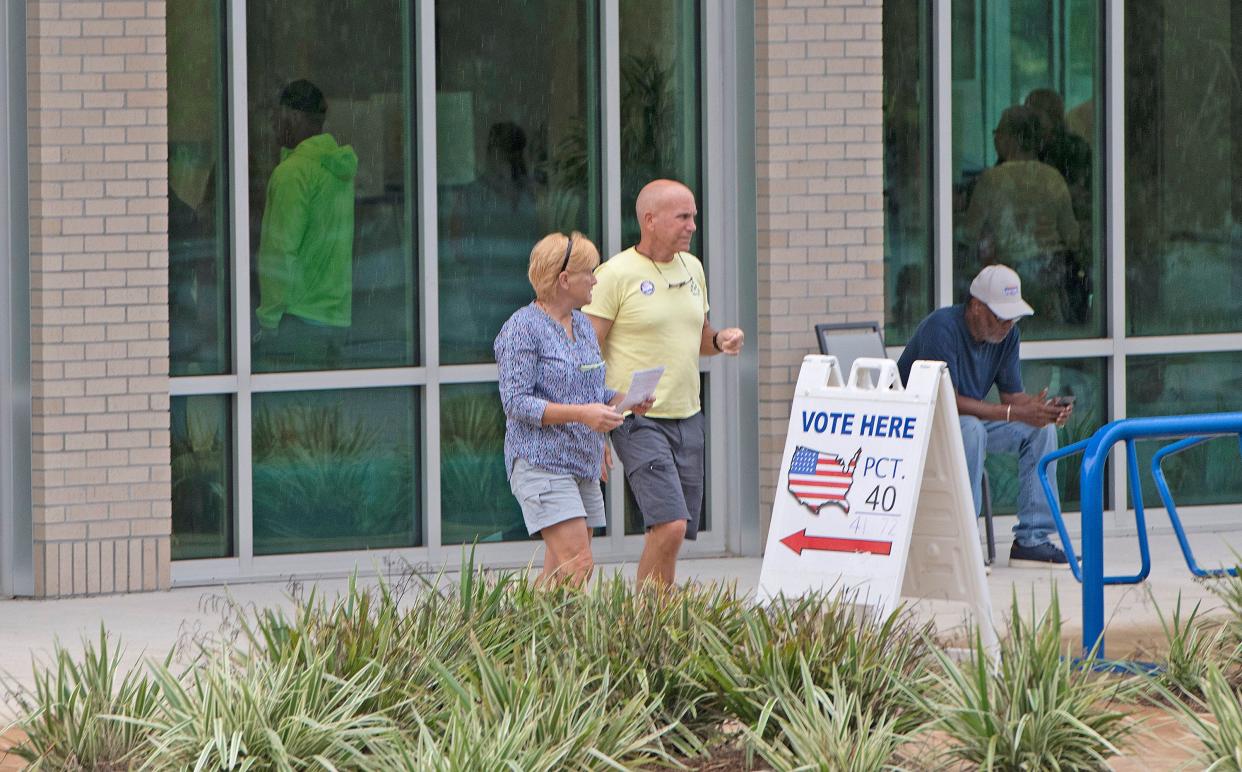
x=305 y=265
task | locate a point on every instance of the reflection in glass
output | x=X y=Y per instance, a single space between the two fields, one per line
x=1023 y=168
x=335 y=470
x=1183 y=149
x=475 y=501
x=198 y=224
x=202 y=477
x=518 y=130
x=908 y=253
x=332 y=266
x=660 y=103
x=1179 y=384
x=1083 y=379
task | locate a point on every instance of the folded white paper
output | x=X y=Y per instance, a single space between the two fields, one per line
x=642 y=387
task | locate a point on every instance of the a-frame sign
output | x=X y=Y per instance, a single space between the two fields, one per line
x=873 y=497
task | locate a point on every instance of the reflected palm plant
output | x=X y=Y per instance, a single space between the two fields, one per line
x=648 y=138
x=199 y=492
x=475 y=496
x=320 y=476
x=648 y=119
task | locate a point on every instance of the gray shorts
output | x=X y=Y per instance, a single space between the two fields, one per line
x=548 y=498
x=663 y=459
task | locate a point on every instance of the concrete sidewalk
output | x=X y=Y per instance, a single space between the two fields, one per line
x=151 y=624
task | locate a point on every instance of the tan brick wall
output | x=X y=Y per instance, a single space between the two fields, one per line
x=97 y=117
x=819 y=177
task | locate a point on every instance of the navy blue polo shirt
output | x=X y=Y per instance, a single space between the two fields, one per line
x=973 y=366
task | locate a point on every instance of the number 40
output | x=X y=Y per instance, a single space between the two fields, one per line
x=883 y=498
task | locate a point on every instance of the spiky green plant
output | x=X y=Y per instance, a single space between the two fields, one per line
x=1220 y=735
x=1194 y=646
x=822 y=729
x=1035 y=708
x=1229 y=590
x=661 y=629
x=535 y=713
x=882 y=661
x=66 y=715
x=240 y=713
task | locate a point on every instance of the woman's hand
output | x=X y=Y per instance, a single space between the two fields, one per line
x=599 y=417
x=603 y=470
x=642 y=407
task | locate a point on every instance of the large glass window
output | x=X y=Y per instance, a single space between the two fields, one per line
x=475 y=501
x=333 y=264
x=1183 y=166
x=1025 y=74
x=660 y=102
x=908 y=254
x=331 y=426
x=1189 y=383
x=335 y=470
x=517 y=142
x=198 y=224
x=202 y=477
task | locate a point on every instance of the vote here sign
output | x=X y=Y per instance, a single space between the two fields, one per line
x=848 y=487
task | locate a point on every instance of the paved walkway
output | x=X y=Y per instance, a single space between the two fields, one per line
x=152 y=623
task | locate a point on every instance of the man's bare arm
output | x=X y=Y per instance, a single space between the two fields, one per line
x=725 y=341
x=1031 y=409
x=602 y=326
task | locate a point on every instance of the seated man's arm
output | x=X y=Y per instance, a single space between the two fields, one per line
x=984 y=411
x=1034 y=409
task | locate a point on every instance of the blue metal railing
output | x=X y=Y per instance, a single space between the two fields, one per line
x=1095 y=450
x=1162 y=487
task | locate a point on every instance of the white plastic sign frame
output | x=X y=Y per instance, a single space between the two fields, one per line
x=873 y=498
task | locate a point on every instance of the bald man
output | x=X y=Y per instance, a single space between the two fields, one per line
x=649 y=309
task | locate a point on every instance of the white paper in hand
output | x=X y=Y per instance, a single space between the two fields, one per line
x=642 y=387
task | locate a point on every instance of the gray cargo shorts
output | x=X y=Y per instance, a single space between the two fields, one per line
x=663 y=459
x=548 y=498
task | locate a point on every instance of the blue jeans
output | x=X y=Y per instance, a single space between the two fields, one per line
x=1035 y=522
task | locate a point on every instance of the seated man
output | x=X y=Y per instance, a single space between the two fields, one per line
x=979 y=342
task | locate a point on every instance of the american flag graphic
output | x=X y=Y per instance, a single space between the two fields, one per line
x=818 y=479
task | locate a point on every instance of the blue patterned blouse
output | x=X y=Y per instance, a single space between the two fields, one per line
x=539 y=364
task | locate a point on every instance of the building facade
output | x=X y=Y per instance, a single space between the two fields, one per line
x=157 y=432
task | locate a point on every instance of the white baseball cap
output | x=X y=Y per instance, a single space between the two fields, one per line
x=1000 y=289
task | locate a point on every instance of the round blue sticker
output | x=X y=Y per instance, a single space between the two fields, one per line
x=646 y=288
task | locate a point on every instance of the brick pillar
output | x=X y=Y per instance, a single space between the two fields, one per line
x=97 y=116
x=820 y=179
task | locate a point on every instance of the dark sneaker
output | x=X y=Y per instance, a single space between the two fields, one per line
x=1046 y=555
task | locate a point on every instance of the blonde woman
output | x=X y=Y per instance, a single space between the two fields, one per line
x=557 y=408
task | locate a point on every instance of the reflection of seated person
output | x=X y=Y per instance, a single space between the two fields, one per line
x=1080 y=121
x=978 y=340
x=306 y=246
x=493 y=219
x=1070 y=155
x=1063 y=150
x=1020 y=211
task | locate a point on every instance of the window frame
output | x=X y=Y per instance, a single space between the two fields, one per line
x=732 y=497
x=1114 y=346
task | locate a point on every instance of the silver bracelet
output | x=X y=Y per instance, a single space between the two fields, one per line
x=1008 y=411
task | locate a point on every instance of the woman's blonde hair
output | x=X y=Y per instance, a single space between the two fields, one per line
x=548 y=257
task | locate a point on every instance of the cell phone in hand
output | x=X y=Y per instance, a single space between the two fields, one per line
x=1064 y=400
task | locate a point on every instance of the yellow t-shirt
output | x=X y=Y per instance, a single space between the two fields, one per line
x=653 y=324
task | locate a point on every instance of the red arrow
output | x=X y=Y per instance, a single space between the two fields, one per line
x=800 y=541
